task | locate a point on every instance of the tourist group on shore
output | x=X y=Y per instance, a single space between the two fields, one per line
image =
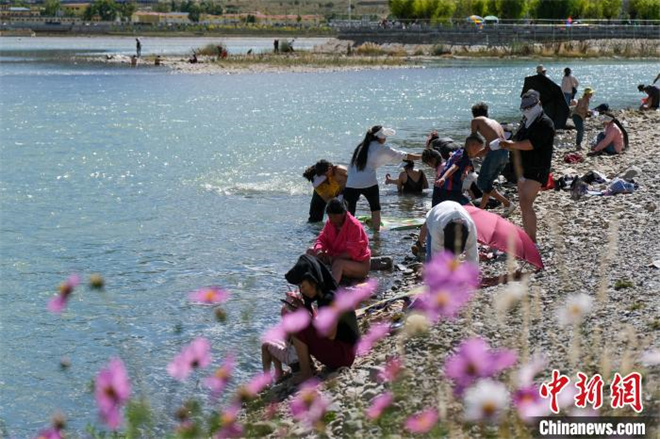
x=341 y=252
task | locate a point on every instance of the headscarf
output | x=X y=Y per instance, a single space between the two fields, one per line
x=310 y=268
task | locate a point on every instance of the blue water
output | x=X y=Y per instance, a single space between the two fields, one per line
x=166 y=182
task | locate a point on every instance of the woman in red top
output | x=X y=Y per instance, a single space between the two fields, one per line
x=343 y=244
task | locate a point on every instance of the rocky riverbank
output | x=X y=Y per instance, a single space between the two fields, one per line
x=605 y=247
x=341 y=55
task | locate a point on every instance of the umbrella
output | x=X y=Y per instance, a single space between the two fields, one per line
x=552 y=98
x=491 y=18
x=475 y=19
x=495 y=231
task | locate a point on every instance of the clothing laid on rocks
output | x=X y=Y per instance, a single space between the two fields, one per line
x=350 y=239
x=537 y=162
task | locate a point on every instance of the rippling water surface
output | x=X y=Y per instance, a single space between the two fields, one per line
x=168 y=182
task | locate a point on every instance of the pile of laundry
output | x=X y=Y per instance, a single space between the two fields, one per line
x=594 y=183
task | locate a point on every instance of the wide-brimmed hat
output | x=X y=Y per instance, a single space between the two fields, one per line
x=530 y=98
x=589 y=91
x=384 y=133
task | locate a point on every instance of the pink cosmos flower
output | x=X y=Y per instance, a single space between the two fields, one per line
x=379 y=404
x=326 y=319
x=291 y=323
x=422 y=422
x=112 y=391
x=229 y=427
x=393 y=368
x=445 y=271
x=474 y=360
x=51 y=433
x=209 y=296
x=296 y=321
x=58 y=303
x=529 y=370
x=443 y=302
x=196 y=355
x=529 y=403
x=345 y=300
x=377 y=332
x=258 y=383
x=349 y=299
x=218 y=381
x=309 y=405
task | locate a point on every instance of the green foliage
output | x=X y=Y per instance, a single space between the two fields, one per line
x=644 y=9
x=51 y=7
x=610 y=8
x=401 y=8
x=162 y=7
x=553 y=9
x=127 y=9
x=511 y=9
x=623 y=283
x=106 y=9
x=138 y=418
x=194 y=12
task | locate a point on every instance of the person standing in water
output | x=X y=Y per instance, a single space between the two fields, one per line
x=369 y=155
x=138 y=47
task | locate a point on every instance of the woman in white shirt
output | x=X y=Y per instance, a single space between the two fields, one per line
x=368 y=156
x=568 y=85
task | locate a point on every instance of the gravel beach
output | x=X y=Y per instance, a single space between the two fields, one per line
x=601 y=246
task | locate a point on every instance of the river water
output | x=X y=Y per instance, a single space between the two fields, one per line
x=164 y=183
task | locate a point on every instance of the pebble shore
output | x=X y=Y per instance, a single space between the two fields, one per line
x=602 y=246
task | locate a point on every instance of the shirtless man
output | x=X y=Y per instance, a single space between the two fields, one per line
x=495 y=160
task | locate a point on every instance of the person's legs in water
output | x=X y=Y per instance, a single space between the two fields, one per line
x=348 y=268
x=579 y=127
x=527 y=192
x=316 y=209
x=372 y=194
x=351 y=196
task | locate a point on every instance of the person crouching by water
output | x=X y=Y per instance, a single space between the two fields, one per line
x=343 y=244
x=410 y=181
x=532 y=148
x=369 y=155
x=450 y=228
x=338 y=348
x=329 y=182
x=610 y=141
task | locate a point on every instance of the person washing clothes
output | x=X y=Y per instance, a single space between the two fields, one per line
x=369 y=155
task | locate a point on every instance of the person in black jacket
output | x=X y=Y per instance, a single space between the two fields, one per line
x=532 y=148
x=337 y=349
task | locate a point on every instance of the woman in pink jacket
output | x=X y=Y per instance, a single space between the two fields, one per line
x=343 y=244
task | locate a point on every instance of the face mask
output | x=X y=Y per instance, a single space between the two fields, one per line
x=530 y=114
